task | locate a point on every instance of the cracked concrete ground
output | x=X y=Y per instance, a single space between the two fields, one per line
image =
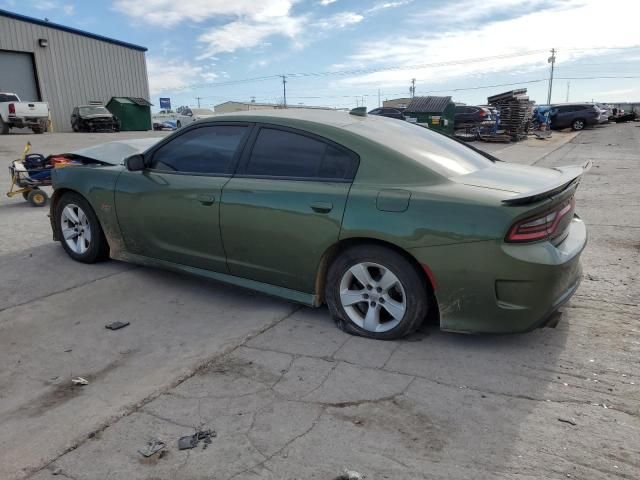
x=295 y=398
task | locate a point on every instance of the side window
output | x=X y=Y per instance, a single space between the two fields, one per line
x=285 y=154
x=208 y=150
x=377 y=111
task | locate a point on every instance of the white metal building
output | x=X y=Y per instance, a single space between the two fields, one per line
x=44 y=61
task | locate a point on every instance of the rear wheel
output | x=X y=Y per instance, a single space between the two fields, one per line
x=375 y=292
x=37 y=197
x=577 y=124
x=79 y=230
x=4 y=127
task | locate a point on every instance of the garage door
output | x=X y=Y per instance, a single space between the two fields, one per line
x=17 y=75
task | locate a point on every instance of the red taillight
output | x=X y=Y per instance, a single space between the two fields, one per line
x=543 y=226
x=12 y=108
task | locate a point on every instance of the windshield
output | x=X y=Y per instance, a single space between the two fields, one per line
x=433 y=150
x=8 y=97
x=94 y=110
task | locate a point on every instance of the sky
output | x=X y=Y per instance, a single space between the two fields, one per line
x=348 y=53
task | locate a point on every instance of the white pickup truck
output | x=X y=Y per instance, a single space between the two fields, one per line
x=17 y=114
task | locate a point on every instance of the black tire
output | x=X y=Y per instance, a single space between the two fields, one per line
x=74 y=127
x=25 y=195
x=178 y=124
x=37 y=197
x=37 y=130
x=578 y=124
x=416 y=293
x=98 y=248
x=4 y=127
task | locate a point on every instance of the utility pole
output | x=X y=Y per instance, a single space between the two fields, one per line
x=412 y=88
x=198 y=99
x=552 y=61
x=568 y=86
x=284 y=88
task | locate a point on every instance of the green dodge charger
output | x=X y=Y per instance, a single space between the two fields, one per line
x=384 y=221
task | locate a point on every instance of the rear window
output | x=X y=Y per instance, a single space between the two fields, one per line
x=435 y=151
x=8 y=98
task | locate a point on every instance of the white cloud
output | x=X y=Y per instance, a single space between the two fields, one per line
x=551 y=27
x=385 y=5
x=248 y=33
x=46 y=5
x=170 y=75
x=249 y=23
x=327 y=2
x=68 y=9
x=168 y=13
x=340 y=20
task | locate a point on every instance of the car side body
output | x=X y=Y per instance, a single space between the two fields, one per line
x=574 y=115
x=446 y=209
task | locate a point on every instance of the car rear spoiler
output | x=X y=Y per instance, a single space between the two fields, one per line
x=571 y=176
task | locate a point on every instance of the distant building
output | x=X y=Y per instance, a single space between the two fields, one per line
x=396 y=103
x=67 y=67
x=231 y=106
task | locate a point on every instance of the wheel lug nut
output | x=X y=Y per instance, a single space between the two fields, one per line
x=379 y=289
x=381 y=300
x=369 y=287
x=364 y=295
x=373 y=304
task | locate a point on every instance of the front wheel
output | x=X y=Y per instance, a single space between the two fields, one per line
x=178 y=124
x=578 y=124
x=375 y=292
x=79 y=230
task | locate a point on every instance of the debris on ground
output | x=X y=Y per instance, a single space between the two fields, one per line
x=57 y=471
x=570 y=421
x=192 y=441
x=79 y=381
x=350 y=475
x=117 y=325
x=153 y=446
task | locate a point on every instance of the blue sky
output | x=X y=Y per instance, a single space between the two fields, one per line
x=451 y=48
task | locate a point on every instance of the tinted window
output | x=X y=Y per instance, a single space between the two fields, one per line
x=376 y=111
x=4 y=97
x=433 y=150
x=202 y=150
x=286 y=154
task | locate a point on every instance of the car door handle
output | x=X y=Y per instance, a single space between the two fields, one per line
x=206 y=199
x=322 y=207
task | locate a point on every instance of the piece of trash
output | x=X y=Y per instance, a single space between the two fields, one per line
x=116 y=325
x=79 y=381
x=68 y=350
x=350 y=475
x=192 y=441
x=153 y=446
x=57 y=471
x=570 y=421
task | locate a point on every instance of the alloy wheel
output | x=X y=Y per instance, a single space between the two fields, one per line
x=373 y=297
x=75 y=228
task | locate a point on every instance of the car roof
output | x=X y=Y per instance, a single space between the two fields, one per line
x=332 y=118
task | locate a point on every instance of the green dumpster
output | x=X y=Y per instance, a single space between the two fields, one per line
x=432 y=112
x=133 y=113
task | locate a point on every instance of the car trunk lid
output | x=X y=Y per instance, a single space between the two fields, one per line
x=524 y=184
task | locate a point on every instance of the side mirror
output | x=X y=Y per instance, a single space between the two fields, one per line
x=134 y=163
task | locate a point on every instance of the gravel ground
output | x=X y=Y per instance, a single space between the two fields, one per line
x=292 y=397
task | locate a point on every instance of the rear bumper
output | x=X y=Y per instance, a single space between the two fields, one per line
x=494 y=287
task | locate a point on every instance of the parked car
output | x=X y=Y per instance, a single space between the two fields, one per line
x=164 y=126
x=385 y=221
x=468 y=114
x=190 y=115
x=605 y=112
x=93 y=118
x=574 y=115
x=388 y=112
x=17 y=114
